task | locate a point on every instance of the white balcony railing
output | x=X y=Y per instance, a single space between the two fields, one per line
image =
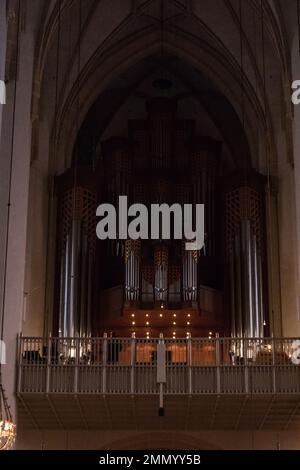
x=129 y=366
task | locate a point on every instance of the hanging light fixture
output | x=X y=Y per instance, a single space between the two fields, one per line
x=7 y=426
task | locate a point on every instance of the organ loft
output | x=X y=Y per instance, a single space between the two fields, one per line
x=148 y=287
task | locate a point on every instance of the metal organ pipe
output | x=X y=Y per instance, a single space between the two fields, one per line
x=261 y=313
x=237 y=285
x=257 y=322
x=73 y=317
x=85 y=287
x=248 y=273
x=244 y=222
x=161 y=274
x=161 y=118
x=204 y=170
x=132 y=270
x=190 y=282
x=76 y=262
x=117 y=152
x=174 y=286
x=233 y=306
x=64 y=289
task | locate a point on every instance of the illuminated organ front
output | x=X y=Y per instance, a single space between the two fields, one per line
x=156 y=285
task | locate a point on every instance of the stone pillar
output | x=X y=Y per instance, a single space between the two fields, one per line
x=20 y=153
x=291 y=304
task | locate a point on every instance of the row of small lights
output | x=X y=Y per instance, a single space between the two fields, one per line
x=147 y=322
x=188 y=334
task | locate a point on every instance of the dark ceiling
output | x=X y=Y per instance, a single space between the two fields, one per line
x=204 y=92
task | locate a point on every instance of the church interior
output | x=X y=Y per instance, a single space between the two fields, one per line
x=165 y=102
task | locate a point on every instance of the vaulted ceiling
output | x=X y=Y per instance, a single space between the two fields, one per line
x=194 y=94
x=84 y=47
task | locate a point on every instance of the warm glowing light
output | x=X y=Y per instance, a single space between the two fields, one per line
x=160 y=314
x=174 y=315
x=162 y=306
x=189 y=315
x=174 y=333
x=133 y=323
x=265 y=323
x=210 y=333
x=147 y=323
x=7 y=426
x=7 y=434
x=174 y=322
x=132 y=315
x=188 y=323
x=147 y=314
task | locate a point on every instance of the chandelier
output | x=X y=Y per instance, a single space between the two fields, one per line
x=7 y=427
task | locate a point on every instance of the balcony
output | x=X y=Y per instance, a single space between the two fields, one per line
x=208 y=383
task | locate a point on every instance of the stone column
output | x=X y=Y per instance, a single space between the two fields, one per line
x=16 y=152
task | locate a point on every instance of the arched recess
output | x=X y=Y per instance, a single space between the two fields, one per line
x=205 y=51
x=214 y=62
x=204 y=93
x=211 y=38
x=208 y=56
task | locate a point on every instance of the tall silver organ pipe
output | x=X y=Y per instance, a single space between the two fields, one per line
x=245 y=261
x=76 y=262
x=161 y=260
x=204 y=160
x=246 y=284
x=117 y=153
x=132 y=270
x=147 y=284
x=189 y=275
x=174 y=275
x=161 y=119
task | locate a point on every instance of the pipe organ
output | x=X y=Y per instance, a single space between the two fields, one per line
x=204 y=171
x=161 y=261
x=76 y=257
x=189 y=268
x=132 y=270
x=117 y=168
x=163 y=160
x=161 y=118
x=244 y=219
